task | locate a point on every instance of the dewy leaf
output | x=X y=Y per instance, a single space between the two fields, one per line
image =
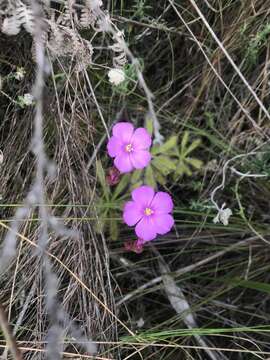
x=164 y=148
x=102 y=179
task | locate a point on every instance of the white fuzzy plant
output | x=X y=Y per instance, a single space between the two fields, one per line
x=36 y=199
x=21 y=16
x=62 y=34
x=62 y=38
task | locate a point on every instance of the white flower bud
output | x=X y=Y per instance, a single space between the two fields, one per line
x=28 y=99
x=116 y=76
x=19 y=74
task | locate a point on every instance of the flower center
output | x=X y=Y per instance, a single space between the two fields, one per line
x=148 y=211
x=129 y=148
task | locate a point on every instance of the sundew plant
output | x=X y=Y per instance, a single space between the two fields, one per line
x=134 y=179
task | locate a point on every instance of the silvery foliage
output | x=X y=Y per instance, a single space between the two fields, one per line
x=18 y=15
x=63 y=39
x=61 y=34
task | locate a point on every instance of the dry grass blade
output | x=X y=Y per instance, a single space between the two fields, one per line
x=182 y=307
x=188 y=268
x=245 y=111
x=11 y=342
x=196 y=74
x=22 y=237
x=236 y=68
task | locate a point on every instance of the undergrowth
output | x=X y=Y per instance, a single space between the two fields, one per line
x=199 y=292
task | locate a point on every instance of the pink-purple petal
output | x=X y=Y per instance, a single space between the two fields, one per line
x=114 y=147
x=145 y=229
x=140 y=159
x=123 y=131
x=141 y=140
x=122 y=163
x=163 y=223
x=132 y=213
x=143 y=195
x=162 y=203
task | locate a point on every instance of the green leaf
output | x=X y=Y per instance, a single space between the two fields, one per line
x=164 y=148
x=182 y=169
x=184 y=141
x=100 y=224
x=160 y=178
x=121 y=186
x=195 y=162
x=210 y=119
x=149 y=124
x=101 y=177
x=164 y=164
x=114 y=231
x=192 y=147
x=136 y=176
x=155 y=149
x=187 y=170
x=149 y=177
x=250 y=284
x=255 y=285
x=137 y=184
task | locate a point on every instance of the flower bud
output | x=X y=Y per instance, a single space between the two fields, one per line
x=113 y=176
x=134 y=246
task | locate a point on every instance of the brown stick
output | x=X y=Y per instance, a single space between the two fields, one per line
x=11 y=342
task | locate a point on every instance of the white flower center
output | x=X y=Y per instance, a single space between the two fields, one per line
x=129 y=148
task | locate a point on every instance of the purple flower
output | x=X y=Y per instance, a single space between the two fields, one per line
x=129 y=148
x=150 y=211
